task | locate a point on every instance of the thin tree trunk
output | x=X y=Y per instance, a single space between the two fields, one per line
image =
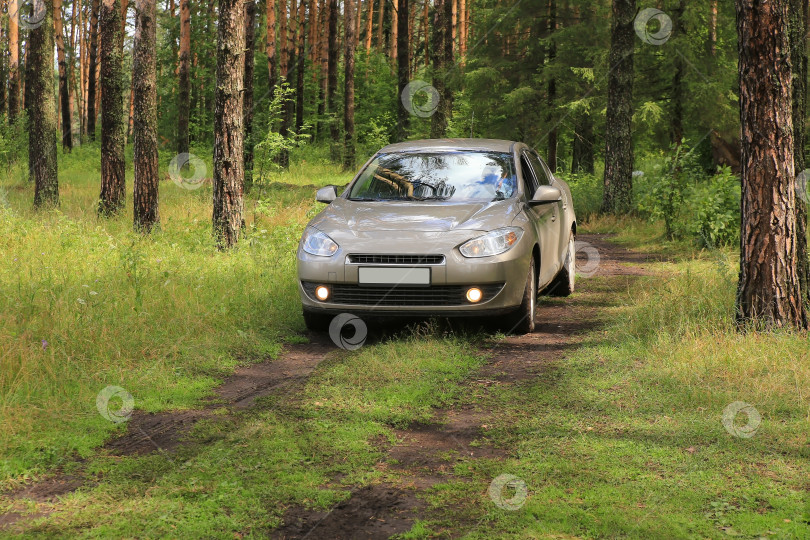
x=282 y=38
x=228 y=144
x=403 y=68
x=618 y=179
x=42 y=163
x=425 y=30
x=91 y=72
x=677 y=80
x=394 y=31
x=462 y=23
x=380 y=22
x=323 y=61
x=449 y=60
x=582 y=160
x=145 y=148
x=713 y=28
x=438 y=122
x=247 y=105
x=369 y=25
x=113 y=164
x=64 y=95
x=184 y=78
x=288 y=105
x=551 y=95
x=798 y=56
x=332 y=79
x=769 y=291
x=3 y=68
x=299 y=68
x=13 y=63
x=348 y=94
x=270 y=44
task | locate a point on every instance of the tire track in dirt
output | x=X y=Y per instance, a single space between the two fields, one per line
x=426 y=454
x=165 y=432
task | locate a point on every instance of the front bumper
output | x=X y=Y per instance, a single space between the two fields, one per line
x=502 y=278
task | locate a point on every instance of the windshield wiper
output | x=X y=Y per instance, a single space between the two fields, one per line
x=364 y=199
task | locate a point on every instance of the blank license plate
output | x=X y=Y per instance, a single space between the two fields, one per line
x=394 y=276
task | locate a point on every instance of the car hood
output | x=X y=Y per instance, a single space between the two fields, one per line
x=360 y=219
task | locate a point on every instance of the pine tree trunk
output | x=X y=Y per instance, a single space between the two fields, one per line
x=369 y=25
x=283 y=24
x=91 y=72
x=392 y=52
x=64 y=94
x=3 y=67
x=348 y=93
x=13 y=63
x=618 y=179
x=323 y=59
x=301 y=65
x=113 y=164
x=438 y=122
x=403 y=68
x=380 y=23
x=332 y=80
x=677 y=80
x=228 y=144
x=551 y=95
x=145 y=148
x=798 y=56
x=270 y=44
x=247 y=105
x=449 y=60
x=769 y=292
x=42 y=164
x=288 y=105
x=712 y=42
x=184 y=78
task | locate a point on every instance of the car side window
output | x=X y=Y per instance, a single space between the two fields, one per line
x=529 y=180
x=540 y=169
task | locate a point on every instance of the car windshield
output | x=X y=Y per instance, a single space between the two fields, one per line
x=443 y=176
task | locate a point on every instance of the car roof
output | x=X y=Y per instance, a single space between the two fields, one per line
x=493 y=145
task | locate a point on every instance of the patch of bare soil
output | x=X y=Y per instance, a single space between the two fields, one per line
x=426 y=453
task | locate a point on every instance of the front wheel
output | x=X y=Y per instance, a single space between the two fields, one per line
x=521 y=321
x=563 y=283
x=316 y=322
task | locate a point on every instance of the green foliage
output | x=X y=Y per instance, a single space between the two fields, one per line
x=586 y=190
x=275 y=143
x=712 y=210
x=13 y=141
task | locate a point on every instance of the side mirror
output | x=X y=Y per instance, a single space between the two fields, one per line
x=545 y=195
x=326 y=194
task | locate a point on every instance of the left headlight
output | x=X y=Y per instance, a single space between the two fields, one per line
x=493 y=243
x=315 y=242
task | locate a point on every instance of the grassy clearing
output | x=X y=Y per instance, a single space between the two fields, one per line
x=86 y=303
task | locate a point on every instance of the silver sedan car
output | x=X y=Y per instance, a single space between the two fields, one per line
x=454 y=227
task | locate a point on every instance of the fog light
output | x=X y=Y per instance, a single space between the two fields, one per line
x=322 y=293
x=474 y=295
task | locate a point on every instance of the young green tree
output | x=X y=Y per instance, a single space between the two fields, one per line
x=228 y=144
x=769 y=291
x=113 y=163
x=144 y=133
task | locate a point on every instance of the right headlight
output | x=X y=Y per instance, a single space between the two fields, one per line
x=493 y=243
x=316 y=242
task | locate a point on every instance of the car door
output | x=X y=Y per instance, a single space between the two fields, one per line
x=543 y=220
x=545 y=177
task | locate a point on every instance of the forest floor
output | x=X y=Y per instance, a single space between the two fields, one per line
x=611 y=419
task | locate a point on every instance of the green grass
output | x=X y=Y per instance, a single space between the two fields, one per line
x=621 y=439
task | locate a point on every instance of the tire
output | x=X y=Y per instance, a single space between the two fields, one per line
x=563 y=282
x=316 y=322
x=521 y=321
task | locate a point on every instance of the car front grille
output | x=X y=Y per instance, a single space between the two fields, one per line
x=396 y=259
x=402 y=296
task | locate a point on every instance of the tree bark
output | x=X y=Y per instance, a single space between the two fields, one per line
x=449 y=59
x=270 y=45
x=713 y=27
x=380 y=21
x=13 y=63
x=282 y=38
x=798 y=57
x=618 y=178
x=300 y=66
x=331 y=80
x=42 y=163
x=392 y=50
x=91 y=72
x=769 y=293
x=3 y=68
x=438 y=122
x=369 y=24
x=677 y=79
x=145 y=148
x=348 y=93
x=64 y=93
x=247 y=105
x=228 y=144
x=113 y=163
x=551 y=95
x=403 y=68
x=323 y=59
x=184 y=78
x=582 y=160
